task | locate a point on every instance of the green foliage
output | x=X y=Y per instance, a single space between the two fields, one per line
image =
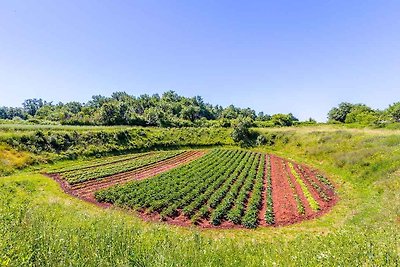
x=261 y=140
x=299 y=203
x=10 y=113
x=283 y=119
x=363 y=115
x=269 y=212
x=93 y=141
x=393 y=112
x=242 y=134
x=340 y=113
x=250 y=219
x=32 y=105
x=169 y=110
x=48 y=143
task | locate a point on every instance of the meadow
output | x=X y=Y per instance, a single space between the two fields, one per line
x=40 y=225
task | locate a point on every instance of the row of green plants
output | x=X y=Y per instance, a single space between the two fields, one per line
x=322 y=194
x=196 y=188
x=236 y=213
x=269 y=212
x=250 y=219
x=325 y=181
x=300 y=206
x=96 y=162
x=99 y=172
x=313 y=203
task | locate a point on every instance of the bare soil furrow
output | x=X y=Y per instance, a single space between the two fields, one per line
x=283 y=201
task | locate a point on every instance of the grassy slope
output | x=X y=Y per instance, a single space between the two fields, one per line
x=28 y=144
x=40 y=225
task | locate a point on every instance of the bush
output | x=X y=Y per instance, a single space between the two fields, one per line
x=242 y=134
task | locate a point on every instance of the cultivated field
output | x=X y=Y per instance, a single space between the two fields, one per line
x=229 y=188
x=84 y=179
x=224 y=188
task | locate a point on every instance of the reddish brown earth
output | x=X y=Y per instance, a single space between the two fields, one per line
x=284 y=202
x=85 y=190
x=285 y=206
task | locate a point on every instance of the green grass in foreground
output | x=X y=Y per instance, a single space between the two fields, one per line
x=42 y=226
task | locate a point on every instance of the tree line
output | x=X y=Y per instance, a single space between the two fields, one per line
x=362 y=114
x=167 y=110
x=173 y=110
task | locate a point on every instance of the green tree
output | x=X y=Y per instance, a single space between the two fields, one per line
x=97 y=101
x=339 y=113
x=110 y=114
x=393 y=112
x=241 y=133
x=283 y=119
x=32 y=105
x=190 y=113
x=362 y=114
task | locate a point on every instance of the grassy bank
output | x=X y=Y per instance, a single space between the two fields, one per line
x=40 y=225
x=30 y=144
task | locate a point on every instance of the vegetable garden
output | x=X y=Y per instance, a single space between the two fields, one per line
x=228 y=188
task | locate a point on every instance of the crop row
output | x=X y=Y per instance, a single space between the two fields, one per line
x=300 y=206
x=322 y=194
x=313 y=203
x=190 y=209
x=78 y=176
x=269 y=212
x=98 y=162
x=250 y=219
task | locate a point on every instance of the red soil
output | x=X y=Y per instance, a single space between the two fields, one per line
x=285 y=206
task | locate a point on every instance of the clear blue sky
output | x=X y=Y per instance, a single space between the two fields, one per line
x=293 y=56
